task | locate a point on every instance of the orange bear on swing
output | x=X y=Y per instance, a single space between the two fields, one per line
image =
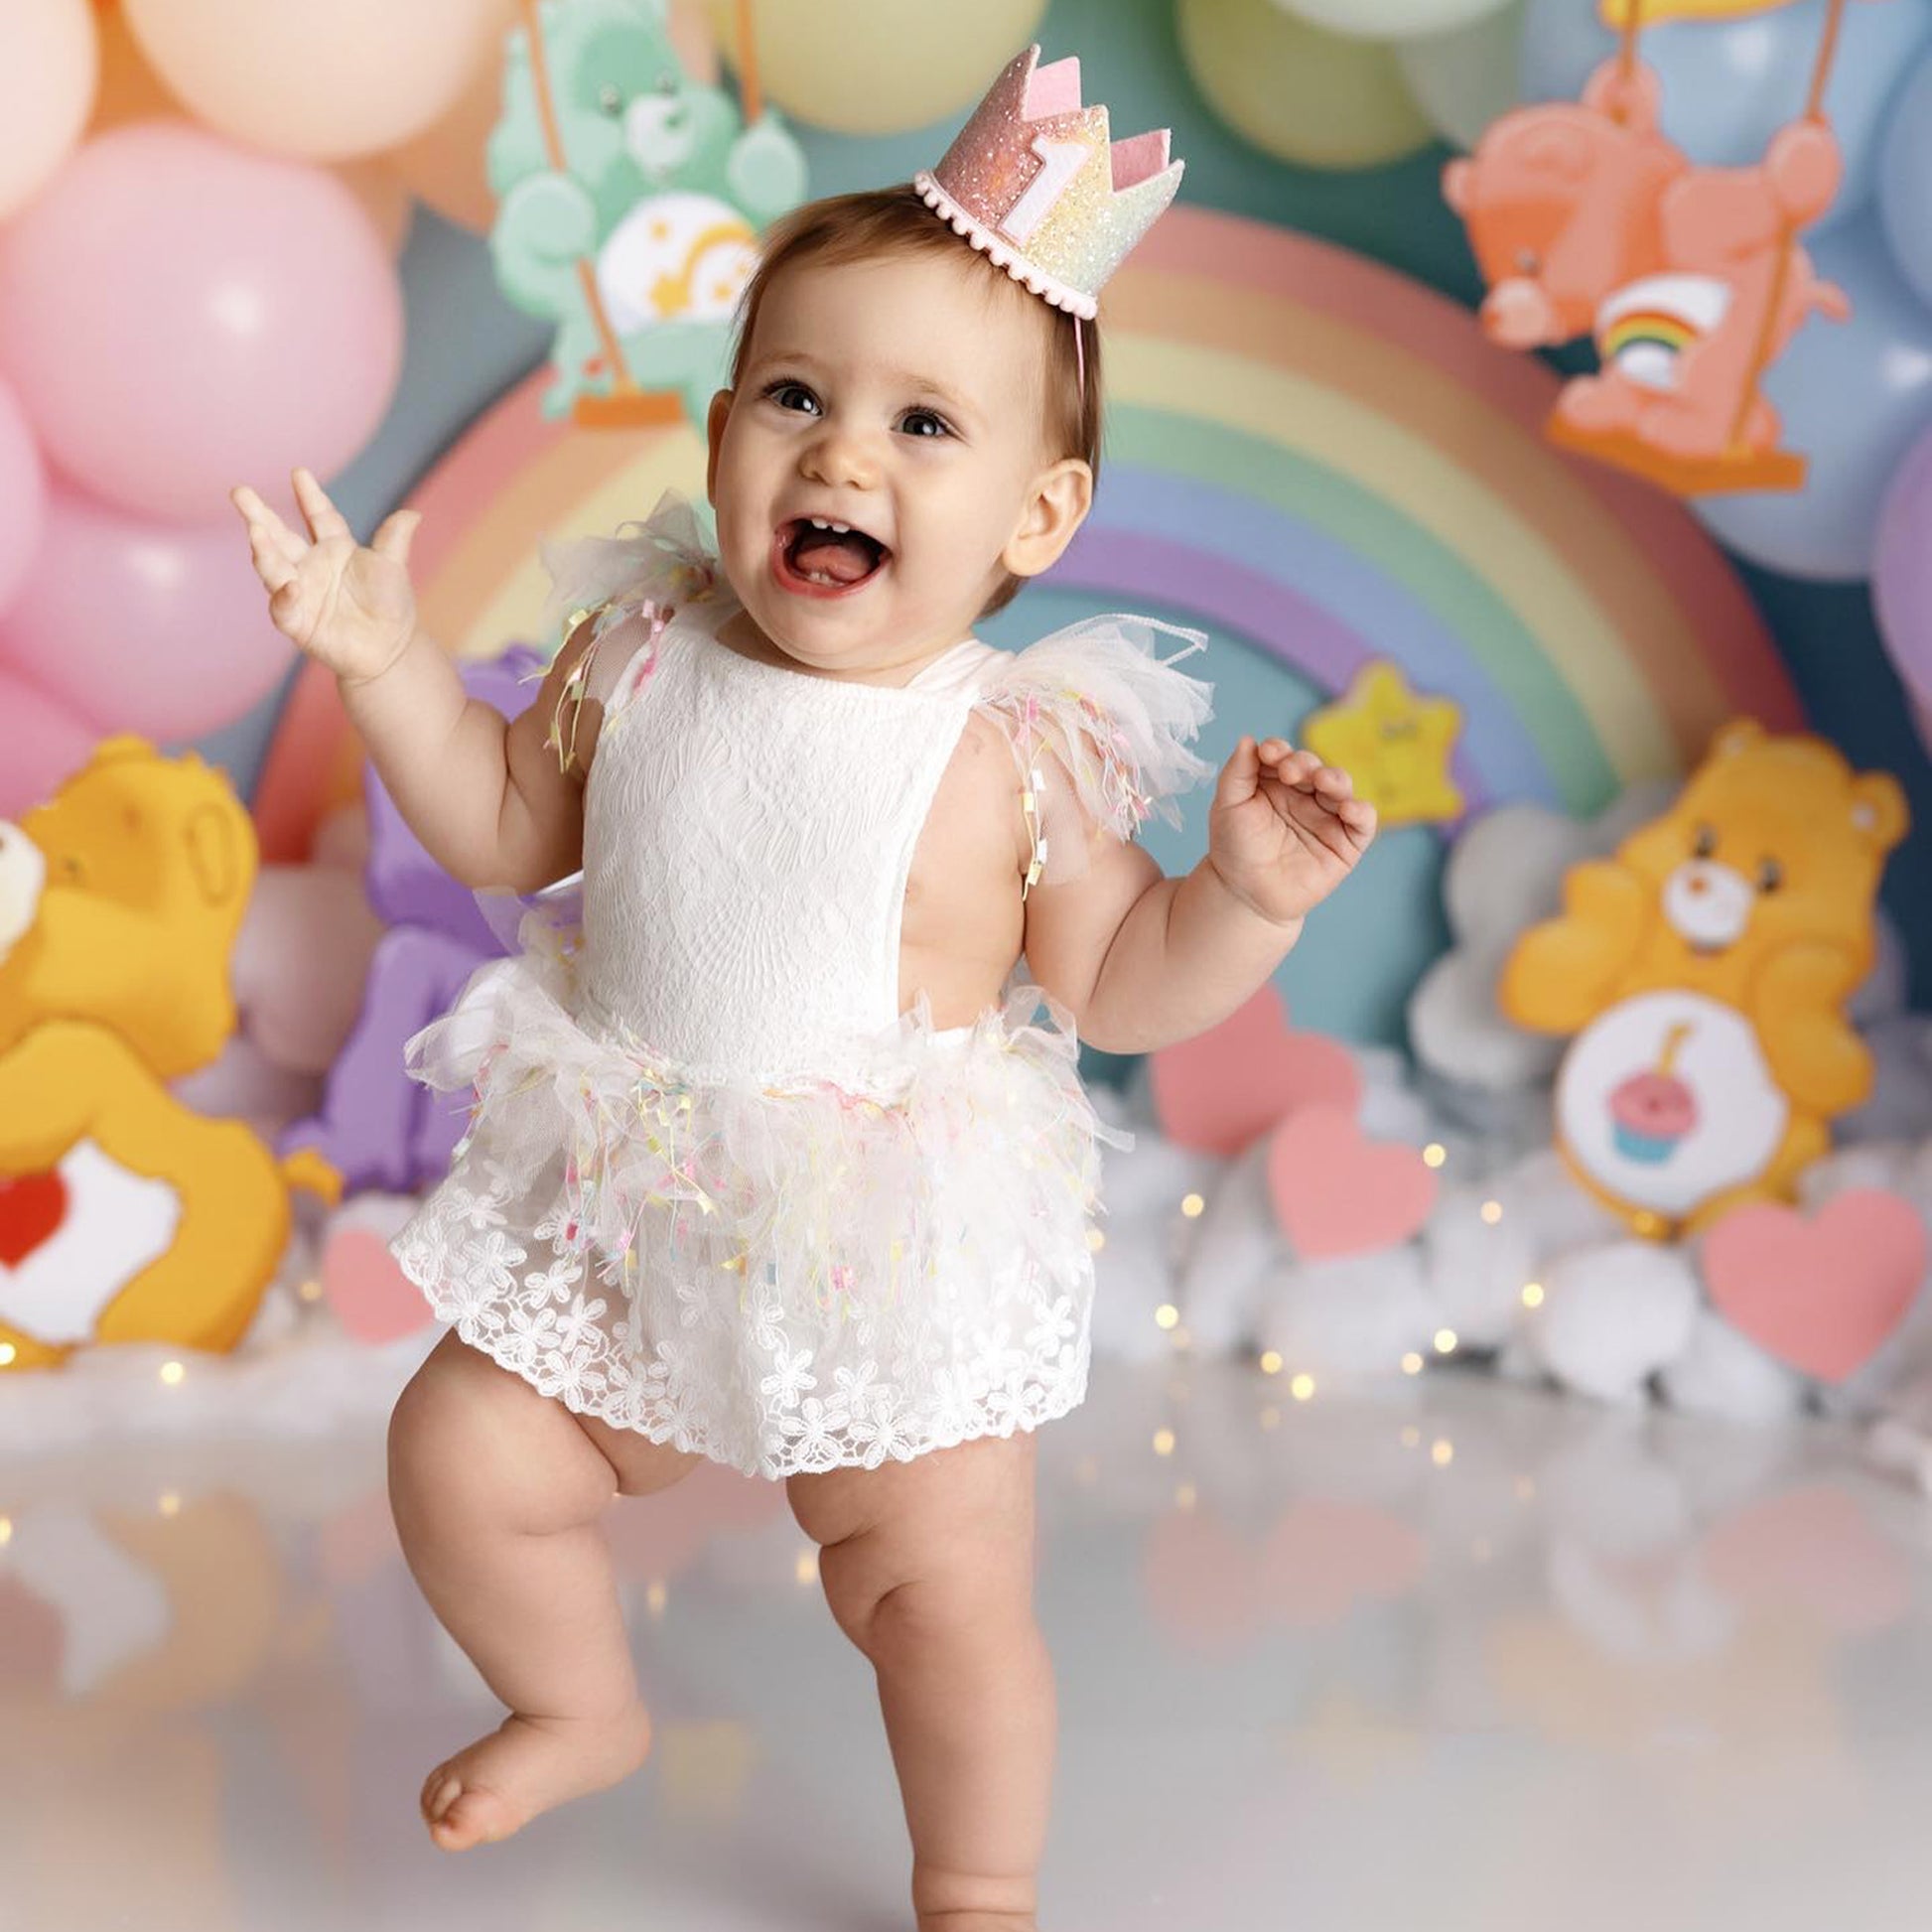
x=1587 y=219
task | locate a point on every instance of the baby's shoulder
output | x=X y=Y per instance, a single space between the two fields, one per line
x=1098 y=723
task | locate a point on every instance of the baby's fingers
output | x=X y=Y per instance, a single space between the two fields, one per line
x=324 y=519
x=262 y=521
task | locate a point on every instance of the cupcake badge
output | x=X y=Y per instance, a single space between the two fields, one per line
x=1652 y=1113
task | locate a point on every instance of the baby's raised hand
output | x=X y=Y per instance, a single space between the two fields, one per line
x=353 y=610
x=1285 y=829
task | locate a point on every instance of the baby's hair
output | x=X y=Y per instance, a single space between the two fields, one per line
x=882 y=221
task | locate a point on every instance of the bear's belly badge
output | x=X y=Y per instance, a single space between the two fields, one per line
x=73 y=1238
x=1646 y=326
x=1666 y=1099
x=677 y=257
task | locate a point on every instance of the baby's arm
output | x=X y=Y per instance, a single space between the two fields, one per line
x=489 y=801
x=1143 y=960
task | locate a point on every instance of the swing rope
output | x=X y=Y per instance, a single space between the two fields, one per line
x=1821 y=73
x=553 y=148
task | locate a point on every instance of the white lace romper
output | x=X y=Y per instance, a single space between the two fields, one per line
x=716 y=1187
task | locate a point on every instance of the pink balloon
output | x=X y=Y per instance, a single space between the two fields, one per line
x=41 y=742
x=179 y=315
x=160 y=628
x=23 y=497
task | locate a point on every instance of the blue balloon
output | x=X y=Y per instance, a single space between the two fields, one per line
x=1905 y=180
x=1731 y=84
x=1854 y=396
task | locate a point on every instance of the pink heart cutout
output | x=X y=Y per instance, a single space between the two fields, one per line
x=1338 y=1193
x=1220 y=1091
x=1820 y=1295
x=373 y=1300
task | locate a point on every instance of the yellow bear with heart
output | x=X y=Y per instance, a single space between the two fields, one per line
x=124 y=1215
x=1704 y=971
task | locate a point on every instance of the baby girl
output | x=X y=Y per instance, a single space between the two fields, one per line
x=775 y=1154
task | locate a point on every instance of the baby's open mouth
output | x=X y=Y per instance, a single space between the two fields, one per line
x=815 y=556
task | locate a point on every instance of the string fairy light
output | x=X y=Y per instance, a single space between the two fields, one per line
x=1193 y=1205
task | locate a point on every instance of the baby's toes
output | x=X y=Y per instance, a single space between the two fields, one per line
x=475 y=1816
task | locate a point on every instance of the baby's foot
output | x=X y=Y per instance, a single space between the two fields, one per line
x=977 y=1922
x=523 y=1767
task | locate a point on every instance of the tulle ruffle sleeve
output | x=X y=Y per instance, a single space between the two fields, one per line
x=1095 y=704
x=630 y=585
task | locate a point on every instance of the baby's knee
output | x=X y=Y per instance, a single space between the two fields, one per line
x=474 y=1440
x=935 y=1610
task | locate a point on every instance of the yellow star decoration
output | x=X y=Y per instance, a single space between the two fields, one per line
x=1394 y=743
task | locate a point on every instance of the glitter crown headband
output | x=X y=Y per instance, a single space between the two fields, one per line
x=1036 y=185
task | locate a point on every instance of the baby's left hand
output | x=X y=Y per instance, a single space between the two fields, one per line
x=1285 y=829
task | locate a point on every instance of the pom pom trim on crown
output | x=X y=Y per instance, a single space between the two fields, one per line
x=1074 y=300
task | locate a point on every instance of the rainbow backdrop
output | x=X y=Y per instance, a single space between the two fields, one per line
x=1305 y=452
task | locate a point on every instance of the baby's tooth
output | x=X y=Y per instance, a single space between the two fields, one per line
x=842 y=529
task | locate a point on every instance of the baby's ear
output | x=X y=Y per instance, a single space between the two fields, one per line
x=1063 y=494
x=714 y=434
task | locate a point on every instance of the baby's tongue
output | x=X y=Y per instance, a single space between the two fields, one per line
x=845 y=557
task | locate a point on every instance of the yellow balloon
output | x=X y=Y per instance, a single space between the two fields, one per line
x=877 y=66
x=319 y=79
x=1304 y=94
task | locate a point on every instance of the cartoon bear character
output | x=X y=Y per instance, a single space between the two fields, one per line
x=1586 y=219
x=664 y=189
x=376 y=1127
x=124 y=1216
x=1704 y=970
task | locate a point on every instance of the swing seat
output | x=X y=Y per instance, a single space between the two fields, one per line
x=1736 y=471
x=627 y=409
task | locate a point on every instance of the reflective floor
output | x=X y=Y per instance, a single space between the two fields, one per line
x=1462 y=1657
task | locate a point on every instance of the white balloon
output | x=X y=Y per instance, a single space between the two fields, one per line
x=1467 y=77
x=1390 y=20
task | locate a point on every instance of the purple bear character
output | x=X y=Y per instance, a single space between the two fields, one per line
x=377 y=1127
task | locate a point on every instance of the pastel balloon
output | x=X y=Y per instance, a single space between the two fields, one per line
x=878 y=67
x=1905 y=176
x=1390 y=20
x=1465 y=79
x=41 y=742
x=1731 y=83
x=179 y=315
x=1296 y=90
x=49 y=61
x=1854 y=396
x=325 y=79
x=1901 y=571
x=151 y=628
x=443 y=166
x=23 y=496
x=129 y=90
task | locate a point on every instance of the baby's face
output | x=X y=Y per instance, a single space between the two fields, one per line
x=901 y=399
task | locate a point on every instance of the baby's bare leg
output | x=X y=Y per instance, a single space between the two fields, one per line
x=496 y=1492
x=928 y=1568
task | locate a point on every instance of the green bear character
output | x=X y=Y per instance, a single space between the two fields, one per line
x=663 y=189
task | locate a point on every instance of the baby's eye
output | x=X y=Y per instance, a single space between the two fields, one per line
x=794 y=396
x=923 y=423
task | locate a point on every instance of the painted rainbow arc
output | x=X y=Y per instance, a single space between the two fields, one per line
x=1305 y=452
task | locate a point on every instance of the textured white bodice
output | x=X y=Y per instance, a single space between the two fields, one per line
x=748 y=833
